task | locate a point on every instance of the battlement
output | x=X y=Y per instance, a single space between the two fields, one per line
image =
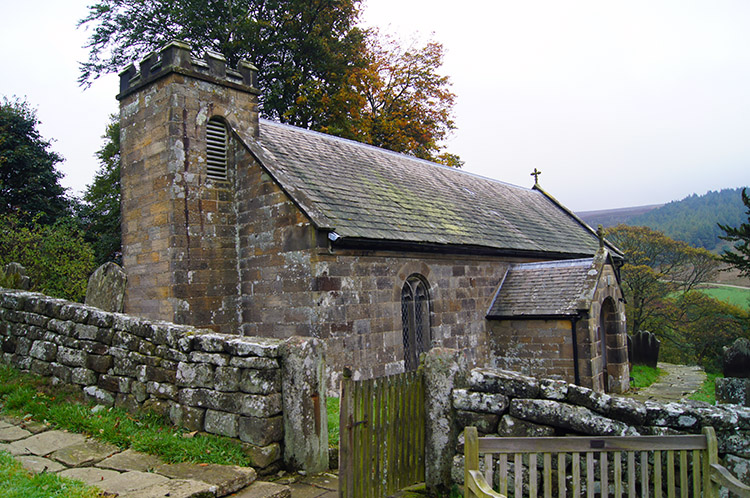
x=175 y=57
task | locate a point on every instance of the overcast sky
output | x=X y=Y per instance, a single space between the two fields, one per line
x=617 y=103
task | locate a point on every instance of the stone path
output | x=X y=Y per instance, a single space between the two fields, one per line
x=127 y=474
x=679 y=382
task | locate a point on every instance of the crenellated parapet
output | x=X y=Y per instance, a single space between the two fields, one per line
x=175 y=57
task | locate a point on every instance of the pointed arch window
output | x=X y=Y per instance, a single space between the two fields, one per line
x=216 y=149
x=415 y=320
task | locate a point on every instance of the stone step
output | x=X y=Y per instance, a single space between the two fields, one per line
x=263 y=489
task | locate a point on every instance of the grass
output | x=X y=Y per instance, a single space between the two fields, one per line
x=737 y=297
x=17 y=482
x=644 y=376
x=29 y=396
x=332 y=405
x=707 y=392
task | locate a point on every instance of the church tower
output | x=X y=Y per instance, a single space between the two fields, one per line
x=177 y=116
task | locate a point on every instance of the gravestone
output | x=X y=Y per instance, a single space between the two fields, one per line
x=736 y=361
x=13 y=276
x=645 y=348
x=734 y=388
x=106 y=289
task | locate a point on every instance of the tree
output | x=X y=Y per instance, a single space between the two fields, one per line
x=397 y=101
x=100 y=213
x=740 y=256
x=56 y=257
x=316 y=68
x=29 y=182
x=303 y=48
x=657 y=266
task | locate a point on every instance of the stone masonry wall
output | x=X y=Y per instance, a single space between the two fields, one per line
x=294 y=283
x=505 y=403
x=542 y=348
x=221 y=384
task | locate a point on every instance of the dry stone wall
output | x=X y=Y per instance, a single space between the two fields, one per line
x=221 y=384
x=505 y=403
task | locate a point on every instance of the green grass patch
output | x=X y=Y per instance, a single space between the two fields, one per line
x=26 y=395
x=707 y=392
x=731 y=295
x=17 y=482
x=332 y=405
x=644 y=376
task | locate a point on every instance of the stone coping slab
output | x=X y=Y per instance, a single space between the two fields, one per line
x=12 y=433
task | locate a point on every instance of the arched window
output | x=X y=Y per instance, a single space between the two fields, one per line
x=415 y=320
x=216 y=149
x=607 y=336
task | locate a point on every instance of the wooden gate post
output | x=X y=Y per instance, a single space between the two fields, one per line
x=346 y=430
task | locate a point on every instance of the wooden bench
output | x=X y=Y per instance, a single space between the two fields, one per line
x=639 y=466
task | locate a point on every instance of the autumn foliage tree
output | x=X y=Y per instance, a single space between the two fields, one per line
x=398 y=100
x=317 y=69
x=660 y=280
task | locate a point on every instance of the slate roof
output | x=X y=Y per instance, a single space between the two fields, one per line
x=364 y=192
x=551 y=288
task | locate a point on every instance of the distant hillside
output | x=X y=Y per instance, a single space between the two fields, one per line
x=693 y=219
x=611 y=217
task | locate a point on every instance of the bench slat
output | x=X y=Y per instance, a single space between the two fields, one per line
x=657 y=474
x=670 y=474
x=604 y=474
x=631 y=474
x=590 y=477
x=644 y=475
x=576 y=475
x=586 y=444
x=618 y=475
x=562 y=487
x=547 y=475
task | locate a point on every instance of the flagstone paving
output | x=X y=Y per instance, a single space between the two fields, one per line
x=126 y=474
x=679 y=382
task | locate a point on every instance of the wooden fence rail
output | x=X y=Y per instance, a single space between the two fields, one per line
x=382 y=443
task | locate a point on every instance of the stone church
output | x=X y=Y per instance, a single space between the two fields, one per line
x=252 y=227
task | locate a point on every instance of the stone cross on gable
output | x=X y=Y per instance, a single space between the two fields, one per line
x=536 y=174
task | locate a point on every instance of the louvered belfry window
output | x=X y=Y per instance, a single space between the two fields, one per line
x=415 y=320
x=216 y=149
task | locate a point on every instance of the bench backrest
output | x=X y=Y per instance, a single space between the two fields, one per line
x=641 y=466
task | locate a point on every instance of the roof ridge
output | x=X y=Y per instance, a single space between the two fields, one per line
x=391 y=152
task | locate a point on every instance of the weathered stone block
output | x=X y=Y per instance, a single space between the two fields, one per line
x=466 y=400
x=45 y=351
x=553 y=389
x=675 y=415
x=515 y=427
x=583 y=396
x=733 y=390
x=127 y=402
x=99 y=363
x=71 y=357
x=162 y=390
x=222 y=423
x=257 y=405
x=139 y=391
x=61 y=326
x=512 y=384
x=40 y=367
x=263 y=456
x=565 y=416
x=194 y=375
x=227 y=379
x=99 y=395
x=159 y=406
x=255 y=363
x=186 y=416
x=114 y=383
x=83 y=376
x=218 y=359
x=628 y=410
x=62 y=372
x=486 y=423
x=253 y=346
x=261 y=431
x=208 y=398
x=260 y=381
x=210 y=343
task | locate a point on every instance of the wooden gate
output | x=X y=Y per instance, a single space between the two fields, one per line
x=382 y=442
